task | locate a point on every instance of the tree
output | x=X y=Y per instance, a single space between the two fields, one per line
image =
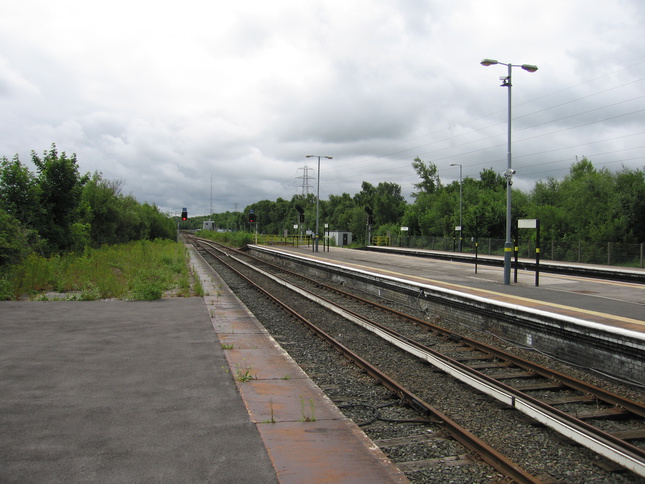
x=60 y=193
x=14 y=241
x=388 y=204
x=385 y=200
x=592 y=207
x=340 y=209
x=19 y=192
x=102 y=197
x=630 y=190
x=491 y=180
x=427 y=171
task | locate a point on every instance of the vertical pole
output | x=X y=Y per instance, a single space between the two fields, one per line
x=461 y=227
x=537 y=253
x=508 y=246
x=476 y=244
x=315 y=245
x=476 y=240
x=516 y=243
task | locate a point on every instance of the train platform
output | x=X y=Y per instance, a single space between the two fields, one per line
x=182 y=390
x=601 y=301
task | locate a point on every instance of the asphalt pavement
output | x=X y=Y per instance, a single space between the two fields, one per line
x=116 y=392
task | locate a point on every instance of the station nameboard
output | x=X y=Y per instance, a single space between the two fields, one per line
x=527 y=223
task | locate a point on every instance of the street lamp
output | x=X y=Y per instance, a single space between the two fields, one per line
x=315 y=245
x=461 y=227
x=506 y=82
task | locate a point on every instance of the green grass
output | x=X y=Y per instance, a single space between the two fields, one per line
x=232 y=239
x=142 y=270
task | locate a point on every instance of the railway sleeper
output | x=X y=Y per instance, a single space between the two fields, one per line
x=473 y=357
x=549 y=385
x=630 y=434
x=602 y=413
x=513 y=375
x=487 y=366
x=419 y=465
x=412 y=439
x=571 y=399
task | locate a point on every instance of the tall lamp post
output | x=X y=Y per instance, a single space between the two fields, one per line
x=461 y=227
x=315 y=245
x=506 y=82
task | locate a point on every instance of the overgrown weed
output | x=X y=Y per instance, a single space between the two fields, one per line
x=141 y=270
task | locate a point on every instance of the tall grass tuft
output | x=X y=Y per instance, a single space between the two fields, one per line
x=137 y=270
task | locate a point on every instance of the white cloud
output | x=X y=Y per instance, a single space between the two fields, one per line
x=162 y=95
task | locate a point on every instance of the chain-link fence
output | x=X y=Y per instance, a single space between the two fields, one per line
x=610 y=253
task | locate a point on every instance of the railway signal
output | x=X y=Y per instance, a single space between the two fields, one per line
x=301 y=212
x=184 y=214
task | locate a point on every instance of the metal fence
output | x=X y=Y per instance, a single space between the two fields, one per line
x=610 y=253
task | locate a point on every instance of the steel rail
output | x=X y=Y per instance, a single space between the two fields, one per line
x=602 y=395
x=581 y=386
x=615 y=449
x=487 y=453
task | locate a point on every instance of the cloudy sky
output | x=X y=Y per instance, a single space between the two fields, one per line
x=169 y=95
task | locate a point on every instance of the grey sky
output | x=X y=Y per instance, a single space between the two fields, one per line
x=163 y=94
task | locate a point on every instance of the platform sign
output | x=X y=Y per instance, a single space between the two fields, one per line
x=531 y=223
x=527 y=223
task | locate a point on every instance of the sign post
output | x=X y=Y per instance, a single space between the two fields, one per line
x=476 y=246
x=326 y=237
x=533 y=223
x=404 y=230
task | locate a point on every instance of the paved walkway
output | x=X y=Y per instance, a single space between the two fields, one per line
x=116 y=392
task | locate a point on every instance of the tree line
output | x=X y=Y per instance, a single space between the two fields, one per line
x=58 y=209
x=589 y=204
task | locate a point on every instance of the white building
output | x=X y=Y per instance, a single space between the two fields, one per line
x=340 y=237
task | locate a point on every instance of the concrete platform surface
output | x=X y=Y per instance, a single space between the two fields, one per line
x=599 y=300
x=115 y=392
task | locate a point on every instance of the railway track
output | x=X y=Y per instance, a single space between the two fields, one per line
x=604 y=423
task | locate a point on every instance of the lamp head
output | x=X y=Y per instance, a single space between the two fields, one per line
x=329 y=157
x=488 y=62
x=309 y=156
x=529 y=67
